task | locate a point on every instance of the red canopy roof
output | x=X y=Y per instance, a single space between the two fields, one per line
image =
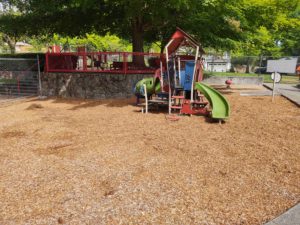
x=180 y=38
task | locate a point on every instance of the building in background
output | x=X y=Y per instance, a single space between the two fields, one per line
x=22 y=47
x=217 y=63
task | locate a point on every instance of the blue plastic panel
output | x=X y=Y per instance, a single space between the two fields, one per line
x=182 y=78
x=188 y=80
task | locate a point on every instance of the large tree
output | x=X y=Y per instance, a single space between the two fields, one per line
x=252 y=26
x=271 y=27
x=12 y=27
x=215 y=22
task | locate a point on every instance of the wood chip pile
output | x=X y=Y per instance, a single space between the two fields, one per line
x=103 y=162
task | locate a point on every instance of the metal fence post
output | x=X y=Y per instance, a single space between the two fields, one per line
x=39 y=75
x=125 y=65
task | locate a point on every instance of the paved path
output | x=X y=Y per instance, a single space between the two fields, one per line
x=291 y=217
x=257 y=93
x=290 y=91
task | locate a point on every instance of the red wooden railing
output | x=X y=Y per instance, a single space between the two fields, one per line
x=102 y=62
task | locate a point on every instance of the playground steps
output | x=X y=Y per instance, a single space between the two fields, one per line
x=176 y=107
x=177 y=97
x=201 y=102
x=177 y=101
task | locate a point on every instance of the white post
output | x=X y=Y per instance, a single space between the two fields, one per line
x=213 y=62
x=167 y=60
x=175 y=80
x=161 y=77
x=39 y=75
x=146 y=97
x=273 y=92
x=179 y=68
x=192 y=88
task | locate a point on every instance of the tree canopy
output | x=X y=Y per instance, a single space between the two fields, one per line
x=250 y=27
x=271 y=27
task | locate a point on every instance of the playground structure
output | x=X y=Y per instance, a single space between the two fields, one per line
x=177 y=83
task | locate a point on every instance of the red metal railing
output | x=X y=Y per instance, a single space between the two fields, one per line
x=102 y=62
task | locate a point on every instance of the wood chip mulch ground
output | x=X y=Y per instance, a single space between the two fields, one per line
x=104 y=162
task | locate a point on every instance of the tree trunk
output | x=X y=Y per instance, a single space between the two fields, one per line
x=138 y=42
x=164 y=42
x=11 y=43
x=248 y=66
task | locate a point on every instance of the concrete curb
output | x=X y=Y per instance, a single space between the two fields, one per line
x=290 y=217
x=283 y=94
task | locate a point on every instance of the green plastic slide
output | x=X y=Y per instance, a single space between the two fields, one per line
x=152 y=86
x=218 y=103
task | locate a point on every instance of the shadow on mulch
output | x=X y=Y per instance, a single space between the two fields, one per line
x=87 y=103
x=34 y=106
x=258 y=98
x=12 y=134
x=152 y=110
x=214 y=121
x=38 y=100
x=226 y=92
x=106 y=102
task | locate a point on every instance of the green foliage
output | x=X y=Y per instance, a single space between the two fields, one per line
x=271 y=28
x=247 y=27
x=94 y=42
x=214 y=22
x=8 y=81
x=3 y=46
x=39 y=43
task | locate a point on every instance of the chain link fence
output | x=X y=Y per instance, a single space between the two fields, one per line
x=19 y=77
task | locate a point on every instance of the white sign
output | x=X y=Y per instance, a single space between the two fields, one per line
x=282 y=65
x=276 y=77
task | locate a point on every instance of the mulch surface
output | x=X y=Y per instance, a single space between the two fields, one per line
x=103 y=162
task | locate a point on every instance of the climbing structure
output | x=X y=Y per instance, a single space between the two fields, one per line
x=178 y=82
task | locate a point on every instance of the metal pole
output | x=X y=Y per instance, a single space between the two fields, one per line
x=161 y=77
x=192 y=89
x=39 y=75
x=167 y=60
x=260 y=65
x=175 y=80
x=146 y=97
x=273 y=92
x=179 y=73
x=212 y=65
x=18 y=79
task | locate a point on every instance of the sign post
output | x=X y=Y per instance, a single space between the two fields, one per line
x=284 y=65
x=276 y=77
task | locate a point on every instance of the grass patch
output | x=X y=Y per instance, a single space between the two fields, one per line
x=8 y=81
x=285 y=79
